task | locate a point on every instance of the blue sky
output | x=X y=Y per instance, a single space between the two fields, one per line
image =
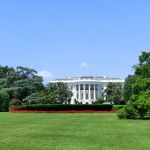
x=74 y=37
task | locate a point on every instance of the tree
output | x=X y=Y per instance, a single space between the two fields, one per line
x=27 y=86
x=6 y=74
x=35 y=98
x=53 y=93
x=4 y=101
x=20 y=82
x=56 y=93
x=142 y=74
x=113 y=92
x=138 y=106
x=127 y=90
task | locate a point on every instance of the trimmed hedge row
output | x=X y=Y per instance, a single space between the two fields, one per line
x=62 y=107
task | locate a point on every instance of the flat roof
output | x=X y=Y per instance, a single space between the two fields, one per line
x=87 y=78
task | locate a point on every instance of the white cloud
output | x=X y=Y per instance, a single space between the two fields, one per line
x=84 y=65
x=45 y=74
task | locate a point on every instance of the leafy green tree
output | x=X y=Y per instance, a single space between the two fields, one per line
x=143 y=68
x=138 y=106
x=4 y=101
x=127 y=90
x=35 y=98
x=113 y=92
x=53 y=93
x=26 y=72
x=142 y=75
x=6 y=73
x=20 y=82
x=56 y=93
x=25 y=87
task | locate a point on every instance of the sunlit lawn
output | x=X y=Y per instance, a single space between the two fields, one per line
x=72 y=131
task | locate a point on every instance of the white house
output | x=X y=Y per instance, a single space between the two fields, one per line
x=87 y=89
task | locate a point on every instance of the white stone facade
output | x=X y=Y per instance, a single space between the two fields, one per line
x=87 y=89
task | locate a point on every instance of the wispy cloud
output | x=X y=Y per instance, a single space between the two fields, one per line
x=45 y=74
x=84 y=65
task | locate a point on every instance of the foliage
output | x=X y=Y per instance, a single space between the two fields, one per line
x=128 y=112
x=127 y=90
x=34 y=98
x=138 y=106
x=57 y=107
x=14 y=104
x=120 y=102
x=19 y=82
x=56 y=93
x=99 y=101
x=4 y=101
x=113 y=92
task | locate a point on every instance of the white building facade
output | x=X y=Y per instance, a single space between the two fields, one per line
x=87 y=89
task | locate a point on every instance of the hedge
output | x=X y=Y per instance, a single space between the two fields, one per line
x=62 y=107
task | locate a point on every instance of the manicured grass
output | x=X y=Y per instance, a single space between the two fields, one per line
x=72 y=131
x=117 y=107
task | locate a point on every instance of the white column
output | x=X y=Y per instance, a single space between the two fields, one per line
x=74 y=95
x=98 y=91
x=84 y=91
x=89 y=92
x=94 y=93
x=79 y=92
x=75 y=92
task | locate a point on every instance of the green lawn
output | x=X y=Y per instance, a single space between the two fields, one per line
x=72 y=131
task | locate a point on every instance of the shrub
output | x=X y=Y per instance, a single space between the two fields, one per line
x=14 y=104
x=127 y=112
x=137 y=108
x=99 y=101
x=63 y=107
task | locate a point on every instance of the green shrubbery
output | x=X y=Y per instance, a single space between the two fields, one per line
x=137 y=90
x=4 y=101
x=138 y=108
x=14 y=104
x=99 y=101
x=62 y=107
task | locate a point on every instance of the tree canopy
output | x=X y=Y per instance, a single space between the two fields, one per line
x=19 y=82
x=53 y=93
x=137 y=90
x=113 y=92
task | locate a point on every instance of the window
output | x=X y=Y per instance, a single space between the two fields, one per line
x=87 y=87
x=92 y=87
x=77 y=96
x=77 y=87
x=96 y=87
x=87 y=96
x=92 y=96
x=81 y=87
